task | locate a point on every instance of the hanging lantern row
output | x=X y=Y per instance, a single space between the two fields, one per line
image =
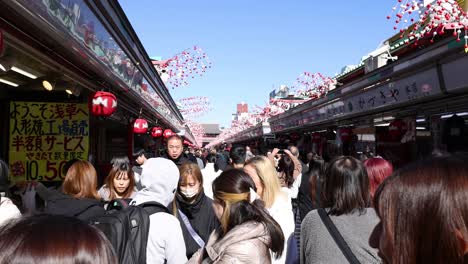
x=102 y=104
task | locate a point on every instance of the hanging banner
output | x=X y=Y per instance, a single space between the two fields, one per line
x=44 y=136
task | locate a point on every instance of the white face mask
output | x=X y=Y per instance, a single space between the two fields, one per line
x=189 y=193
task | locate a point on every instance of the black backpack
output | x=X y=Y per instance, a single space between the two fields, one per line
x=127 y=227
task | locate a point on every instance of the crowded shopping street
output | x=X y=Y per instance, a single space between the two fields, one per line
x=148 y=131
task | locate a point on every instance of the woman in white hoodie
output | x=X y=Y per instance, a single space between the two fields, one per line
x=8 y=210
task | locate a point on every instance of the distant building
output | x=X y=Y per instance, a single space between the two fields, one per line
x=211 y=132
x=242 y=113
x=242 y=108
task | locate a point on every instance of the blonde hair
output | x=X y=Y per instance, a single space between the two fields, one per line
x=269 y=178
x=229 y=199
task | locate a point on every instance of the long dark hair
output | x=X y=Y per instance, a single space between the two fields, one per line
x=44 y=239
x=286 y=170
x=316 y=171
x=211 y=158
x=345 y=186
x=232 y=188
x=422 y=207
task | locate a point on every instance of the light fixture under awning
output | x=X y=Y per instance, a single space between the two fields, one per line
x=9 y=82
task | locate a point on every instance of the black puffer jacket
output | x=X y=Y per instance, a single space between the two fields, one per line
x=180 y=160
x=201 y=217
x=58 y=203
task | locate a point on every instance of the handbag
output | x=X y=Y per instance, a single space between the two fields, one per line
x=192 y=232
x=339 y=240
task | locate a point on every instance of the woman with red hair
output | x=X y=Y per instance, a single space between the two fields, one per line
x=378 y=169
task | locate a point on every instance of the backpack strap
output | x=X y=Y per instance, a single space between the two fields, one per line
x=339 y=240
x=192 y=232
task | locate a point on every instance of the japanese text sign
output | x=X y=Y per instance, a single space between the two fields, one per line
x=44 y=136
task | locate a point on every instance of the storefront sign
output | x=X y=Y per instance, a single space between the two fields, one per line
x=412 y=88
x=455 y=76
x=44 y=136
x=403 y=91
x=87 y=35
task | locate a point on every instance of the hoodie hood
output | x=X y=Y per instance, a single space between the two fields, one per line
x=159 y=178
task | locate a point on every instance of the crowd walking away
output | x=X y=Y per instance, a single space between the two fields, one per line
x=238 y=204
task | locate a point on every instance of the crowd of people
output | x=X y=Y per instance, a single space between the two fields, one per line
x=231 y=206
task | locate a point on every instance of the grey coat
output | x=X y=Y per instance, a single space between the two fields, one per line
x=318 y=246
x=246 y=243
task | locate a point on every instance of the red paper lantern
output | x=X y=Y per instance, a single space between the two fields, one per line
x=345 y=134
x=140 y=126
x=102 y=104
x=156 y=132
x=316 y=137
x=168 y=133
x=397 y=128
x=186 y=142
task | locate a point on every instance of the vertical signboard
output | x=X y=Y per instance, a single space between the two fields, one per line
x=44 y=136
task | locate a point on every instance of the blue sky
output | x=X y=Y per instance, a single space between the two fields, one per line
x=258 y=44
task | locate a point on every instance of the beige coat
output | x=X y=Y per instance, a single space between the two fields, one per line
x=246 y=243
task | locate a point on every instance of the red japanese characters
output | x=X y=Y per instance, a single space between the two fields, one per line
x=140 y=126
x=102 y=104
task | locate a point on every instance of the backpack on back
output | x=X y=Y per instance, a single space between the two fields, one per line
x=127 y=227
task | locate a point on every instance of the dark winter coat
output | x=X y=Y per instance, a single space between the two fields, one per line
x=202 y=219
x=58 y=203
x=180 y=160
x=304 y=200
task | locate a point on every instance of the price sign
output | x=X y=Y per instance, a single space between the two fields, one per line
x=44 y=136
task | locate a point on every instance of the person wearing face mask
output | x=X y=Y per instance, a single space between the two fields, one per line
x=193 y=209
